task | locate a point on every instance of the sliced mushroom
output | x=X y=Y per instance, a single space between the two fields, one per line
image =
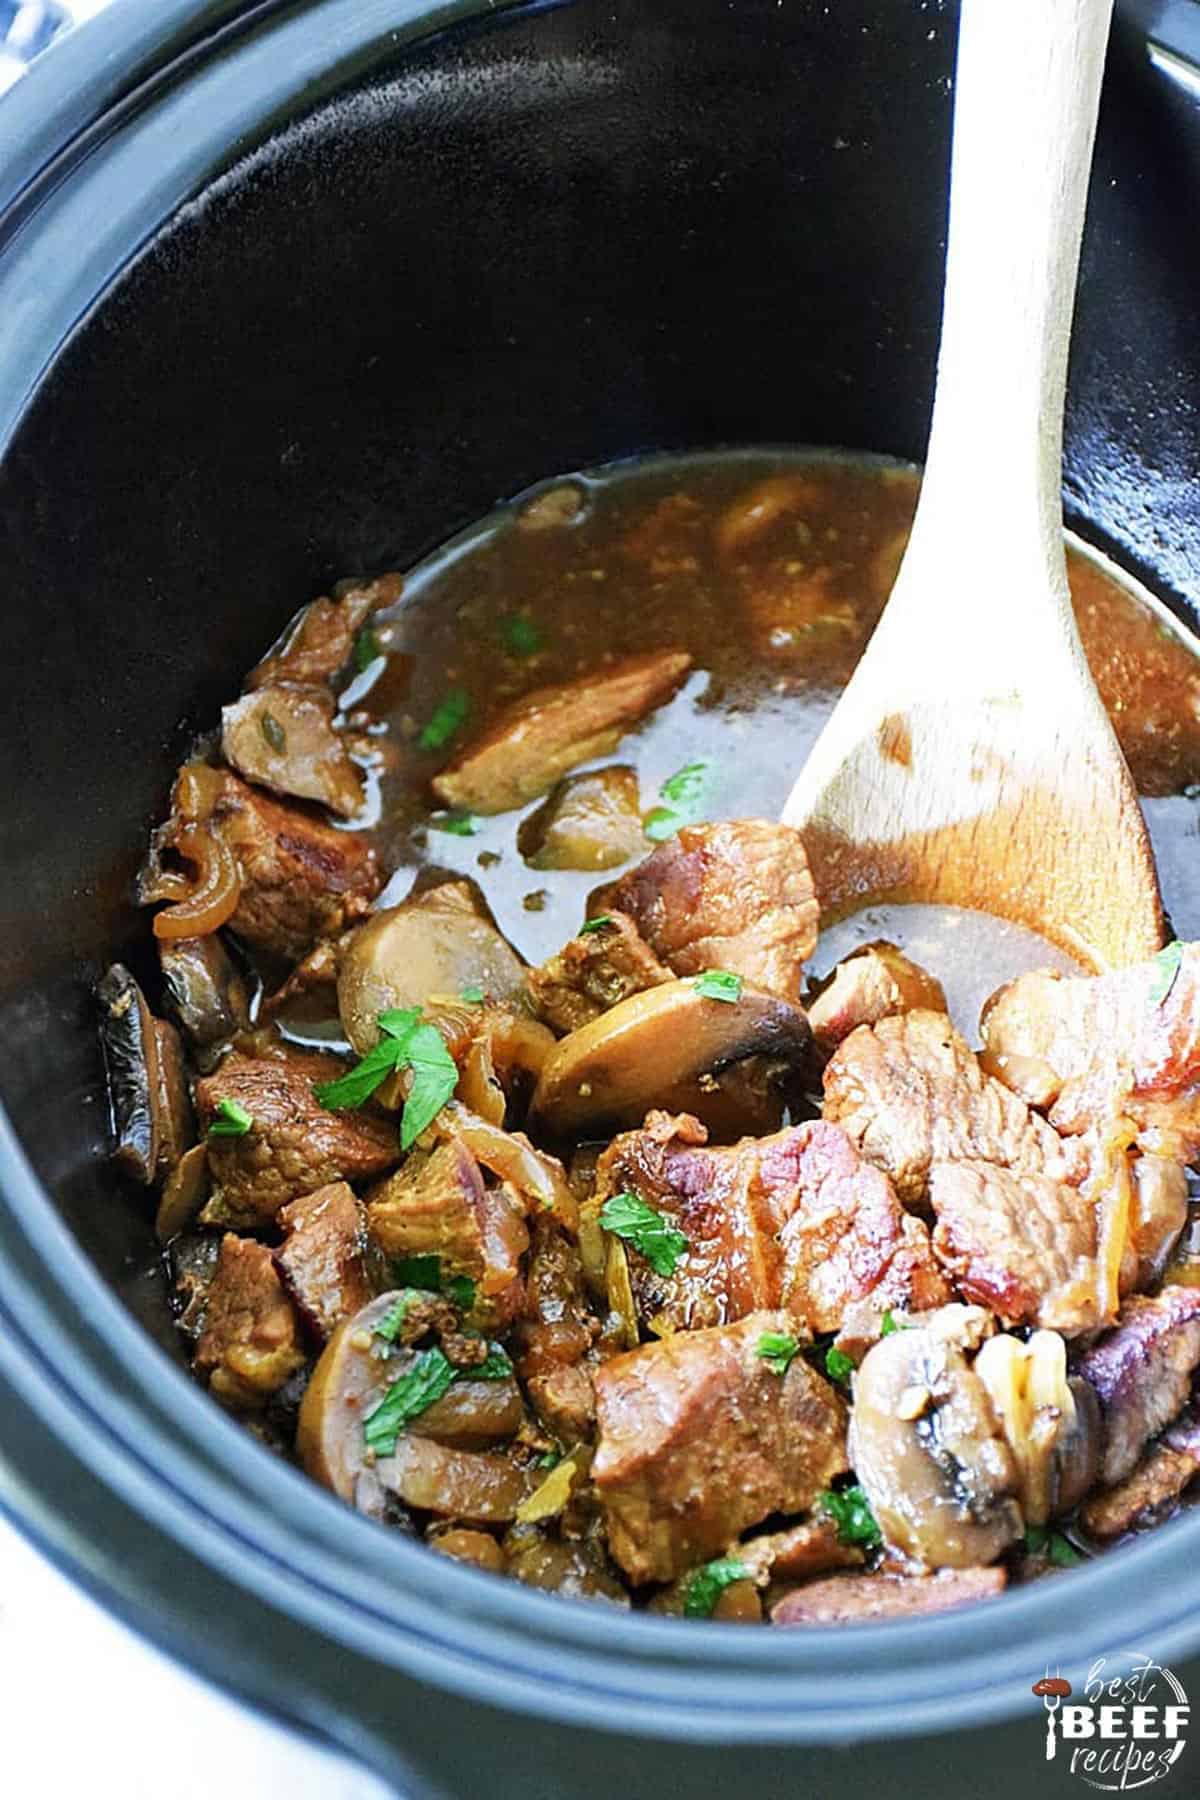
x=477 y=1487
x=666 y=1047
x=355 y=1370
x=204 y=990
x=435 y=943
x=151 y=1112
x=927 y=1447
x=184 y=1193
x=1052 y=1423
x=591 y=821
x=282 y=737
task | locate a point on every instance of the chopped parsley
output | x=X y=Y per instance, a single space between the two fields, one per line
x=392 y=1321
x=704 y=1586
x=446 y=719
x=719 y=984
x=230 y=1119
x=496 y=1366
x=408 y=1042
x=521 y=636
x=413 y=1393
x=596 y=924
x=425 y=1272
x=472 y=995
x=1166 y=966
x=1040 y=1540
x=838 y=1366
x=628 y=1216
x=851 y=1512
x=890 y=1323
x=682 y=800
x=366 y=649
x=273 y=731
x=456 y=822
x=777 y=1348
x=460 y=1289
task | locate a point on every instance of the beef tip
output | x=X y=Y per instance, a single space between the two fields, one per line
x=294 y=1145
x=594 y=971
x=591 y=821
x=564 y=1399
x=1142 y=1372
x=795 y=1220
x=251 y=1341
x=151 y=1114
x=541 y=737
x=1167 y=1469
x=204 y=991
x=1023 y=1245
x=698 y=1439
x=873 y=983
x=323 y=1256
x=439 y=1205
x=909 y=1093
x=862 y=1599
x=812 y=1547
x=1091 y=1047
x=320 y=640
x=282 y=737
x=735 y=895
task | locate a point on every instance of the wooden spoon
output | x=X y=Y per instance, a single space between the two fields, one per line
x=970 y=760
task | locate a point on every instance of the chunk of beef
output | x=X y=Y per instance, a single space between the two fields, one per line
x=909 y=1093
x=795 y=1220
x=320 y=640
x=1167 y=1469
x=1023 y=1245
x=873 y=983
x=594 y=971
x=862 y=1599
x=1142 y=1372
x=294 y=1144
x=323 y=1256
x=811 y=1548
x=699 y=1439
x=251 y=1340
x=564 y=1399
x=591 y=821
x=1091 y=1047
x=736 y=895
x=302 y=879
x=439 y=1205
x=538 y=739
x=282 y=737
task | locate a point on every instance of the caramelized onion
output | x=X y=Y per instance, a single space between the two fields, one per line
x=212 y=897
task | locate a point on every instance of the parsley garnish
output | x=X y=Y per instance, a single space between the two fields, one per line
x=682 y=800
x=447 y=716
x=407 y=1043
x=496 y=1366
x=596 y=924
x=1060 y=1550
x=628 y=1217
x=425 y=1272
x=366 y=649
x=890 y=1323
x=777 y=1348
x=416 y=1390
x=461 y=1290
x=230 y=1119
x=705 y=1586
x=1166 y=967
x=838 y=1366
x=273 y=731
x=719 y=984
x=472 y=995
x=389 y=1326
x=457 y=823
x=521 y=636
x=851 y=1512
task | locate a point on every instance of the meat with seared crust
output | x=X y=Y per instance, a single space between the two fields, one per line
x=861 y=1599
x=542 y=736
x=320 y=640
x=734 y=895
x=910 y=1093
x=810 y=1548
x=323 y=1256
x=593 y=972
x=872 y=983
x=1168 y=1467
x=795 y=1220
x=251 y=1340
x=1141 y=1371
x=294 y=1144
x=1024 y=1246
x=698 y=1439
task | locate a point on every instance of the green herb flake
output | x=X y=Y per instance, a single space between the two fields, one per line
x=424 y=1272
x=596 y=924
x=838 y=1366
x=550 y=1460
x=890 y=1323
x=407 y=1043
x=628 y=1216
x=460 y=1289
x=416 y=1390
x=1041 y=1541
x=273 y=731
x=777 y=1348
x=496 y=1366
x=367 y=649
x=456 y=822
x=719 y=984
x=448 y=716
x=356 y=1086
x=230 y=1119
x=1166 y=966
x=390 y=1325
x=851 y=1512
x=472 y=995
x=705 y=1585
x=521 y=636
x=682 y=800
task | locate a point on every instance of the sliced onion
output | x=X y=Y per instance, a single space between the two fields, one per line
x=212 y=897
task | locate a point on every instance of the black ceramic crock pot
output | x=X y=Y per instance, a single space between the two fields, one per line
x=296 y=290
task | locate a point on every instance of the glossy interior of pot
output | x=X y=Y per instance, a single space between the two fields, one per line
x=536 y=241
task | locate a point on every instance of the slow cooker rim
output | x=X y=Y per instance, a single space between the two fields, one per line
x=801 y=1673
